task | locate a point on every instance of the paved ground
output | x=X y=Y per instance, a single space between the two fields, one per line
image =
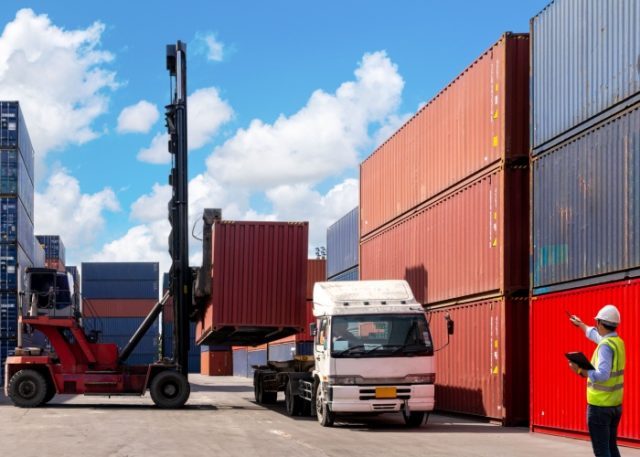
x=222 y=419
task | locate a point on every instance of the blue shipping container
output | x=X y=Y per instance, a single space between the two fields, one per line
x=282 y=352
x=13 y=262
x=15 y=179
x=53 y=247
x=342 y=243
x=165 y=281
x=584 y=56
x=114 y=289
x=114 y=271
x=349 y=275
x=586 y=204
x=240 y=362
x=118 y=330
x=8 y=315
x=15 y=225
x=38 y=255
x=7 y=348
x=255 y=358
x=73 y=271
x=14 y=133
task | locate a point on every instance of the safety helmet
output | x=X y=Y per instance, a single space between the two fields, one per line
x=609 y=314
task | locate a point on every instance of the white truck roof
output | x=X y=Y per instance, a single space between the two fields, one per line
x=358 y=297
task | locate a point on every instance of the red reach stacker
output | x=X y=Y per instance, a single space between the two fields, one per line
x=77 y=363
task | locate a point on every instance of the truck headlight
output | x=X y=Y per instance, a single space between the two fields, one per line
x=426 y=378
x=345 y=380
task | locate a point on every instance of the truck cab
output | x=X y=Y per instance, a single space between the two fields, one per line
x=373 y=351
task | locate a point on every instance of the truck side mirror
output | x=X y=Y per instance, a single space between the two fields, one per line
x=450 y=324
x=312 y=329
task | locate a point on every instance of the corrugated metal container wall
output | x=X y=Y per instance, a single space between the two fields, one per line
x=349 y=275
x=117 y=308
x=73 y=271
x=559 y=406
x=316 y=272
x=259 y=281
x=120 y=289
x=216 y=363
x=38 y=256
x=478 y=119
x=118 y=330
x=240 y=361
x=13 y=262
x=471 y=242
x=342 y=243
x=586 y=204
x=53 y=247
x=584 y=61
x=113 y=271
x=7 y=348
x=15 y=225
x=256 y=356
x=14 y=133
x=484 y=369
x=8 y=315
x=288 y=350
x=15 y=179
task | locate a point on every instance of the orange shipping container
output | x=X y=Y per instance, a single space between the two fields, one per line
x=216 y=363
x=480 y=118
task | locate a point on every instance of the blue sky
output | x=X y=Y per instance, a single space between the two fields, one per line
x=291 y=97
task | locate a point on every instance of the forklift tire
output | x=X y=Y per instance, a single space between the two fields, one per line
x=27 y=389
x=293 y=402
x=170 y=390
x=325 y=416
x=51 y=392
x=414 y=419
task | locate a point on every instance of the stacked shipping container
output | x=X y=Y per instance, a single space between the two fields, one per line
x=586 y=206
x=17 y=241
x=116 y=297
x=54 y=251
x=342 y=247
x=444 y=205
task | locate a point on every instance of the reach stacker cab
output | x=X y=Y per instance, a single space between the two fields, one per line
x=76 y=362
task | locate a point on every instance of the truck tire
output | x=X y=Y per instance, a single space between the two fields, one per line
x=292 y=401
x=169 y=390
x=27 y=389
x=262 y=397
x=325 y=416
x=414 y=418
x=51 y=392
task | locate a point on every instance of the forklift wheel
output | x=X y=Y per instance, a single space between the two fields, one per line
x=51 y=392
x=170 y=390
x=27 y=389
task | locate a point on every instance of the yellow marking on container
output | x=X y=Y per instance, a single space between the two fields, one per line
x=494 y=243
x=495 y=215
x=497 y=87
x=495 y=344
x=495 y=370
x=495 y=114
x=495 y=141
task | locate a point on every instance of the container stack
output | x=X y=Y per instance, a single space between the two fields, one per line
x=75 y=274
x=17 y=241
x=116 y=297
x=342 y=248
x=444 y=205
x=54 y=251
x=216 y=361
x=586 y=208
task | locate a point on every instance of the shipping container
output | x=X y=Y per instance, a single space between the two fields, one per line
x=240 y=362
x=558 y=396
x=53 y=247
x=119 y=330
x=216 y=363
x=38 y=255
x=55 y=264
x=482 y=369
x=8 y=315
x=584 y=65
x=15 y=225
x=120 y=289
x=212 y=348
x=15 y=180
x=14 y=133
x=259 y=282
x=7 y=348
x=114 y=271
x=166 y=282
x=349 y=275
x=256 y=356
x=117 y=307
x=13 y=262
x=479 y=119
x=316 y=272
x=342 y=243
x=75 y=274
x=471 y=242
x=586 y=205
x=281 y=352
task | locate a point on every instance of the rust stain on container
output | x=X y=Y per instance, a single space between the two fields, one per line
x=478 y=119
x=470 y=242
x=484 y=369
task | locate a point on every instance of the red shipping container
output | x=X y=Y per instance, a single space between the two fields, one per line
x=259 y=283
x=56 y=264
x=480 y=118
x=216 y=363
x=94 y=307
x=483 y=370
x=558 y=396
x=473 y=241
x=316 y=272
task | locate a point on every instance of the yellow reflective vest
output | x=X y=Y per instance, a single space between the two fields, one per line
x=609 y=392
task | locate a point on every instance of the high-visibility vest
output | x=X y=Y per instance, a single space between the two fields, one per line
x=609 y=392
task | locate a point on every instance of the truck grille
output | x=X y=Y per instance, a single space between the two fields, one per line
x=402 y=393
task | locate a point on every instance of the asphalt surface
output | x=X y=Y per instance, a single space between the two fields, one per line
x=222 y=419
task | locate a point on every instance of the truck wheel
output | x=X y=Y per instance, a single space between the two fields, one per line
x=51 y=392
x=169 y=390
x=324 y=415
x=414 y=418
x=27 y=389
x=292 y=401
x=256 y=387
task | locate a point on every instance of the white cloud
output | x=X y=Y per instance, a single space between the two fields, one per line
x=215 y=48
x=138 y=118
x=322 y=139
x=64 y=210
x=206 y=113
x=59 y=77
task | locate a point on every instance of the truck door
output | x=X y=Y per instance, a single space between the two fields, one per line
x=321 y=351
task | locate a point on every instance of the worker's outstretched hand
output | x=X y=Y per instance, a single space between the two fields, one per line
x=575 y=320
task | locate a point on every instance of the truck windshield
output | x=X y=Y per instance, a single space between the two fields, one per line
x=383 y=335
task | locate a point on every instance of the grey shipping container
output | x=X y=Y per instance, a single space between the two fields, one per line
x=586 y=204
x=38 y=255
x=349 y=275
x=53 y=247
x=113 y=289
x=113 y=271
x=240 y=362
x=342 y=243
x=584 y=62
x=15 y=180
x=14 y=133
x=15 y=225
x=13 y=262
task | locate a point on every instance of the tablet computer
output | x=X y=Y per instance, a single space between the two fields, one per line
x=579 y=359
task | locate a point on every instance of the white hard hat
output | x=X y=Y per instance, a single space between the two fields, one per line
x=609 y=314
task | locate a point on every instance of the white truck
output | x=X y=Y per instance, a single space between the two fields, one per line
x=372 y=354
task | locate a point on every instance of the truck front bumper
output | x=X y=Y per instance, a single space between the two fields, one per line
x=371 y=399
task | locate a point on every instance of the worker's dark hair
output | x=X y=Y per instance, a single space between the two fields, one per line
x=608 y=325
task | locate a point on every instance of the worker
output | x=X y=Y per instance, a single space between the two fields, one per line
x=340 y=332
x=605 y=383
